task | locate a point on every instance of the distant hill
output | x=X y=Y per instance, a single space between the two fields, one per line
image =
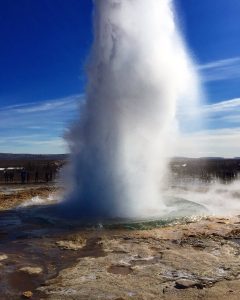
x=11 y=156
x=182 y=158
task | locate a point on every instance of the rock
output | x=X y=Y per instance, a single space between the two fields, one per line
x=120 y=270
x=185 y=284
x=3 y=257
x=71 y=245
x=165 y=289
x=32 y=270
x=27 y=295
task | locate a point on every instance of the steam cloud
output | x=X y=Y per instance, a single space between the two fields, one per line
x=139 y=73
x=218 y=198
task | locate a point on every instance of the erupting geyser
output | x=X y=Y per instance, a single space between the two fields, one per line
x=139 y=71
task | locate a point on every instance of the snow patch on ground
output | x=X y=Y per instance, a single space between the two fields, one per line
x=39 y=201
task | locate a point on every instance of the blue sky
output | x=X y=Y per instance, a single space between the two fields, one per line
x=44 y=48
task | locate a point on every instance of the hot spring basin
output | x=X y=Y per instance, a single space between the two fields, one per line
x=177 y=210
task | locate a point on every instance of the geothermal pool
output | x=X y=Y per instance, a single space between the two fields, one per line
x=36 y=234
x=178 y=205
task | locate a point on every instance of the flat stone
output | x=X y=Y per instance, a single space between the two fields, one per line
x=27 y=294
x=32 y=270
x=3 y=257
x=120 y=270
x=71 y=245
x=185 y=284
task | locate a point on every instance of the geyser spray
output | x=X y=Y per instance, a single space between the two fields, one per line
x=139 y=71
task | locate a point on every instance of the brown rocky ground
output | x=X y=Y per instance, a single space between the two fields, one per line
x=192 y=261
x=14 y=195
x=52 y=260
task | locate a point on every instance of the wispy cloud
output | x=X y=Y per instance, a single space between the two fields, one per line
x=223 y=69
x=67 y=102
x=223 y=114
x=218 y=133
x=218 y=142
x=55 y=146
x=38 y=126
x=223 y=106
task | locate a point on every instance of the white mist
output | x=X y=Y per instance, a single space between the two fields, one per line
x=139 y=72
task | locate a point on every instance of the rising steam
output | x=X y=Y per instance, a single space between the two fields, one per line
x=139 y=72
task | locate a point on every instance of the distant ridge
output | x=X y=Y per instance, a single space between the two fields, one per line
x=22 y=156
x=203 y=158
x=12 y=156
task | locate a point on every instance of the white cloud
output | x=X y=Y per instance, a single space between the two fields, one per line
x=37 y=127
x=218 y=142
x=223 y=114
x=223 y=69
x=218 y=133
x=38 y=144
x=67 y=102
x=223 y=106
x=35 y=116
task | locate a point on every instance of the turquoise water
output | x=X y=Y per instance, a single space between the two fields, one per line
x=177 y=210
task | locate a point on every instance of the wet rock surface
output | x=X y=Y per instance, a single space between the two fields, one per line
x=157 y=264
x=53 y=260
x=185 y=261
